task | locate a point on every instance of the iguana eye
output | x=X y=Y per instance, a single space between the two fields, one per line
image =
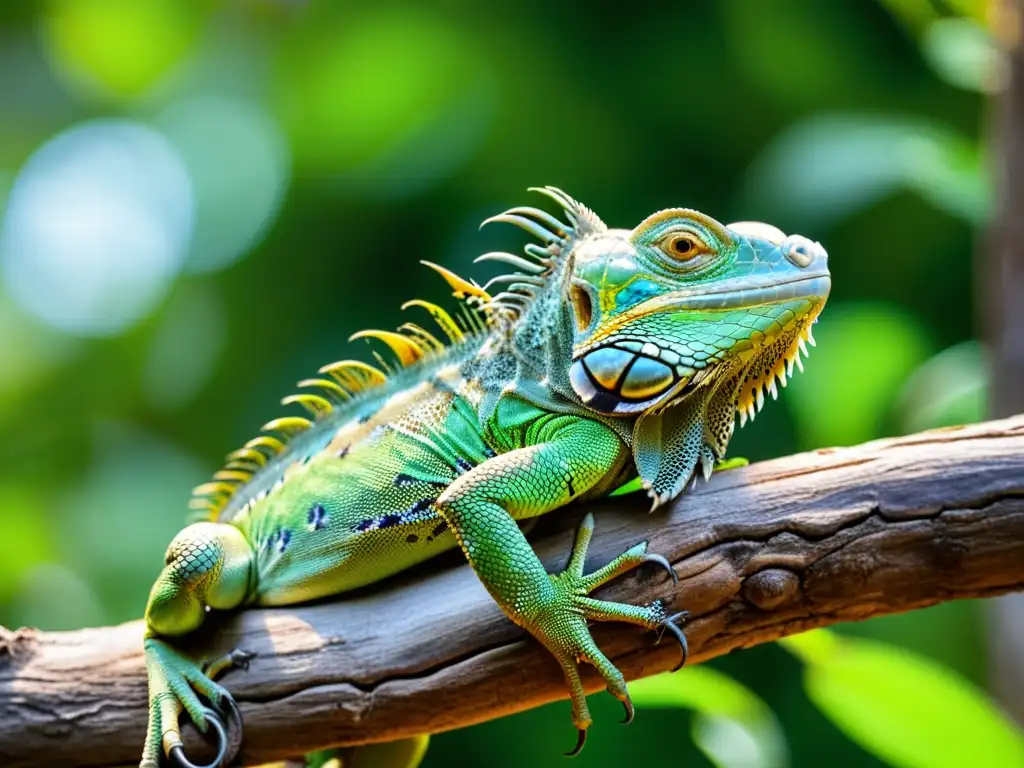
x=683 y=246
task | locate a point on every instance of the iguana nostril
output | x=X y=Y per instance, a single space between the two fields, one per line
x=801 y=251
x=646 y=378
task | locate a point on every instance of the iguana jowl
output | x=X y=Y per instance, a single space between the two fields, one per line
x=609 y=354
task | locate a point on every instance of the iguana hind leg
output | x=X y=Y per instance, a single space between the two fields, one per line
x=568 y=456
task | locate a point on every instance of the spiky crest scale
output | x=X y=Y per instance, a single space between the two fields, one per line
x=411 y=345
x=349 y=381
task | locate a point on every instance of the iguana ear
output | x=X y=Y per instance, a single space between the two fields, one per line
x=667 y=447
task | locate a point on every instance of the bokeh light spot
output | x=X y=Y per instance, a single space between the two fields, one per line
x=824 y=168
x=950 y=388
x=238 y=161
x=111 y=47
x=96 y=227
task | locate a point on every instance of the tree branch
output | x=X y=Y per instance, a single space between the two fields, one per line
x=766 y=551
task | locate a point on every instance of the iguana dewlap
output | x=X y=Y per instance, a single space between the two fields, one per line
x=606 y=354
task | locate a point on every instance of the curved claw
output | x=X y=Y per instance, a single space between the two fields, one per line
x=680 y=636
x=234 y=730
x=628 y=704
x=581 y=739
x=177 y=752
x=242 y=658
x=234 y=659
x=659 y=560
x=215 y=668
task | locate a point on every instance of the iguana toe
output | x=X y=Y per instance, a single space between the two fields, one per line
x=176 y=684
x=236 y=658
x=561 y=621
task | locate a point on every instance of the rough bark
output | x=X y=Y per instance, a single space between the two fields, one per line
x=770 y=550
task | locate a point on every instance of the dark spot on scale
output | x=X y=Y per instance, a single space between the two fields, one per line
x=279 y=539
x=412 y=538
x=390 y=520
x=343 y=452
x=365 y=418
x=316 y=518
x=402 y=480
x=439 y=528
x=572 y=491
x=489 y=452
x=463 y=465
x=272 y=538
x=420 y=506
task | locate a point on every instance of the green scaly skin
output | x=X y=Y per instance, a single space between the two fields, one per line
x=610 y=355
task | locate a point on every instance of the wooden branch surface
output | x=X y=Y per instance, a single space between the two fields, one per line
x=770 y=550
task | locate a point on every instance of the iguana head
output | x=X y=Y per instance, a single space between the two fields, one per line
x=681 y=302
x=673 y=327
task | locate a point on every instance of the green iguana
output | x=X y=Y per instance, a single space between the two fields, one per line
x=609 y=355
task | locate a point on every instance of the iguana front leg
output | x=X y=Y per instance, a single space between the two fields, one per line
x=207 y=564
x=569 y=456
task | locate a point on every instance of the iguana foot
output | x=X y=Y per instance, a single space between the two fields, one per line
x=560 y=622
x=175 y=683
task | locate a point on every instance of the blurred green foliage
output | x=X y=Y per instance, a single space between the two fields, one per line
x=732 y=726
x=909 y=710
x=203 y=199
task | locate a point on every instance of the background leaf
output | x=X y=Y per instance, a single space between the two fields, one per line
x=733 y=727
x=908 y=710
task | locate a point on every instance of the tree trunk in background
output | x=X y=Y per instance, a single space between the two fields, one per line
x=1003 y=307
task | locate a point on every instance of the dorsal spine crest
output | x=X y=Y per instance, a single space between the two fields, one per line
x=479 y=314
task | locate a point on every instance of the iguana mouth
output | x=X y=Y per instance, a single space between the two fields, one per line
x=731 y=295
x=739 y=295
